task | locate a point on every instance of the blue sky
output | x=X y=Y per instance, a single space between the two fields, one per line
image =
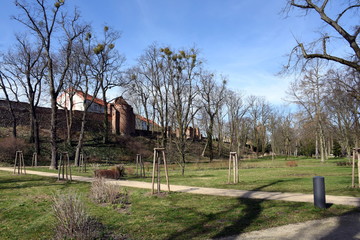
x=245 y=40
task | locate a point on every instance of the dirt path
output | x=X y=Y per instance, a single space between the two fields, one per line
x=334 y=228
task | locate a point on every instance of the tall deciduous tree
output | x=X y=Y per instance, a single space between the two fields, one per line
x=212 y=96
x=183 y=79
x=341 y=17
x=26 y=66
x=8 y=86
x=87 y=84
x=50 y=23
x=107 y=69
x=237 y=109
x=309 y=93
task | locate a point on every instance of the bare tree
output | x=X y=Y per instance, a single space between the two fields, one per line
x=183 y=73
x=87 y=85
x=107 y=70
x=236 y=111
x=26 y=65
x=212 y=97
x=259 y=111
x=344 y=108
x=345 y=22
x=309 y=93
x=8 y=86
x=140 y=88
x=50 y=23
x=156 y=69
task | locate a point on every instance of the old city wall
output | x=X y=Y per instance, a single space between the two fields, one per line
x=94 y=120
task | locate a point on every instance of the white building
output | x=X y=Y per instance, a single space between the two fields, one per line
x=78 y=98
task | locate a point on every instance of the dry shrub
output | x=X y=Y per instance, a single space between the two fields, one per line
x=9 y=146
x=130 y=171
x=117 y=172
x=101 y=192
x=72 y=221
x=291 y=164
x=344 y=163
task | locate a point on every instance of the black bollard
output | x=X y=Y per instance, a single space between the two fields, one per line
x=319 y=192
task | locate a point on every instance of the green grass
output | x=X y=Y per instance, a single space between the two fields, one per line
x=255 y=174
x=25 y=212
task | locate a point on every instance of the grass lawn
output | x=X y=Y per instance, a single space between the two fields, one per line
x=256 y=174
x=25 y=212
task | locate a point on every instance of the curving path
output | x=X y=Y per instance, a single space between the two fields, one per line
x=291 y=197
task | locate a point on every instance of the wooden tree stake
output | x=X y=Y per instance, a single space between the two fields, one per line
x=64 y=167
x=158 y=153
x=19 y=163
x=140 y=166
x=82 y=163
x=34 y=160
x=356 y=153
x=233 y=161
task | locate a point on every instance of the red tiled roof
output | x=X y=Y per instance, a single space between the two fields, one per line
x=89 y=97
x=145 y=120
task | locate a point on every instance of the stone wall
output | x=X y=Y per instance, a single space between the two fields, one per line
x=94 y=120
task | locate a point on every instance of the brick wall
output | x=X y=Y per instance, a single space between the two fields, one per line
x=94 y=120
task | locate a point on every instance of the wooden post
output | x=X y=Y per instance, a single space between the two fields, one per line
x=64 y=167
x=353 y=169
x=356 y=154
x=139 y=166
x=153 y=171
x=34 y=160
x=156 y=167
x=142 y=167
x=233 y=160
x=358 y=166
x=19 y=163
x=82 y=163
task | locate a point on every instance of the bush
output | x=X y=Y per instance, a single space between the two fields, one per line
x=116 y=172
x=72 y=221
x=291 y=164
x=344 y=163
x=101 y=192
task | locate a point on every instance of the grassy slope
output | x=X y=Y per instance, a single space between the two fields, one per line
x=25 y=212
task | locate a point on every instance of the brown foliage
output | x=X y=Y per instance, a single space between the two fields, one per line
x=72 y=221
x=107 y=193
x=291 y=164
x=115 y=173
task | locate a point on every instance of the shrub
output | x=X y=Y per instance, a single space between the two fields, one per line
x=291 y=164
x=101 y=192
x=116 y=172
x=344 y=163
x=72 y=221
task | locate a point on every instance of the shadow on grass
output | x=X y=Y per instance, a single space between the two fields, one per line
x=24 y=181
x=251 y=210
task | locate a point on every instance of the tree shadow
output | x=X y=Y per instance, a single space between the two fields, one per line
x=25 y=182
x=348 y=227
x=250 y=213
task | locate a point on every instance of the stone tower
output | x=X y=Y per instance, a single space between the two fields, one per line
x=122 y=117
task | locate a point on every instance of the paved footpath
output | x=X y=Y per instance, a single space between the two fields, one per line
x=291 y=197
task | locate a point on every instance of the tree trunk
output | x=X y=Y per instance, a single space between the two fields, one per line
x=81 y=139
x=53 y=132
